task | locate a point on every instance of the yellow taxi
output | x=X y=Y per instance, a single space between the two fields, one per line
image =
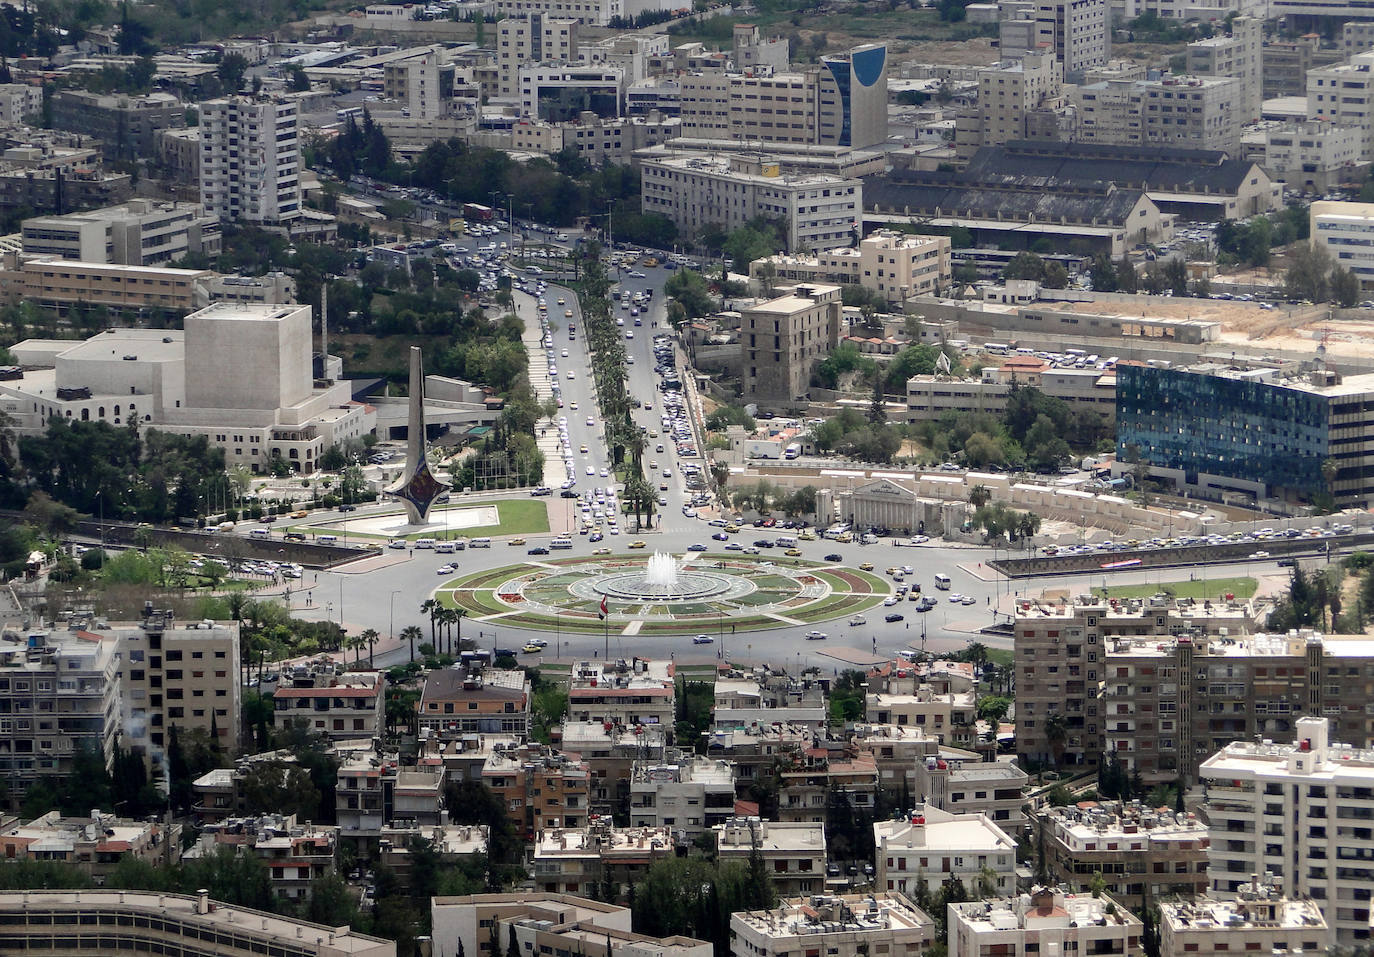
x=299 y=513
x=866 y=566
x=732 y=528
x=793 y=553
x=807 y=537
x=562 y=301
x=516 y=541
x=637 y=545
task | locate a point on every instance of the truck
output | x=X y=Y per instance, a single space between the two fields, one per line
x=792 y=451
x=478 y=212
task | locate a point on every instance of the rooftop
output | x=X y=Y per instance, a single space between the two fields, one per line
x=744 y=834
x=849 y=913
x=930 y=828
x=1114 y=826
x=146 y=345
x=246 y=311
x=599 y=839
x=1267 y=909
x=1043 y=909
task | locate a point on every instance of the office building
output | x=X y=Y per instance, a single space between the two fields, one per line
x=1060 y=664
x=140 y=232
x=1312 y=156
x=928 y=397
x=1008 y=93
x=458 y=702
x=782 y=339
x=126 y=125
x=532 y=40
x=60 y=694
x=894 y=265
x=623 y=693
x=849 y=925
x=1342 y=94
x=1142 y=854
x=1259 y=919
x=142 y=922
x=599 y=141
x=820 y=211
x=687 y=794
x=1299 y=815
x=1239 y=55
x=930 y=846
x=250 y=159
x=1181 y=112
x=1344 y=228
x=345 y=707
x=1211 y=428
x=93 y=845
x=561 y=94
x=59 y=190
x=1285 y=65
x=1046 y=921
x=792 y=853
x=1077 y=31
x=597 y=13
x=596 y=856
x=64 y=284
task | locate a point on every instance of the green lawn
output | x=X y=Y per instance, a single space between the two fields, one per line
x=1213 y=589
x=518 y=517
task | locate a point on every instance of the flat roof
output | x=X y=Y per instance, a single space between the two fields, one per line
x=247 y=311
x=148 y=345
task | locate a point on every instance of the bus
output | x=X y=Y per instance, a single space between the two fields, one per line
x=478 y=212
x=996 y=348
x=354 y=111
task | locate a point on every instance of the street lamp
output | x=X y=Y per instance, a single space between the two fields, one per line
x=392 y=630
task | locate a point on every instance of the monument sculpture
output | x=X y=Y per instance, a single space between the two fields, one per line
x=417 y=486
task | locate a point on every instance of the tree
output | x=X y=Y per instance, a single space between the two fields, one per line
x=979 y=496
x=1103 y=273
x=877 y=410
x=1125 y=274
x=993 y=708
x=412 y=634
x=1025 y=266
x=1309 y=270
x=688 y=288
x=297 y=80
x=369 y=638
x=1056 y=276
x=230 y=71
x=1345 y=287
x=1057 y=735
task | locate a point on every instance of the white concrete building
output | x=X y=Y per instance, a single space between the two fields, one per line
x=530 y=40
x=1342 y=94
x=1239 y=55
x=931 y=846
x=821 y=211
x=250 y=159
x=591 y=12
x=141 y=232
x=463 y=924
x=1259 y=920
x=896 y=265
x=1046 y=921
x=1312 y=156
x=1009 y=90
x=793 y=852
x=852 y=925
x=560 y=94
x=1299 y=812
x=1078 y=31
x=1347 y=232
x=689 y=796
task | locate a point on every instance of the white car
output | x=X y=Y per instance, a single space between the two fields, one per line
x=445 y=570
x=565 y=353
x=636 y=274
x=591 y=470
x=815 y=636
x=591 y=421
x=572 y=375
x=891 y=600
x=702 y=640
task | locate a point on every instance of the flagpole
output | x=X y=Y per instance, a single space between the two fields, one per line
x=606 y=629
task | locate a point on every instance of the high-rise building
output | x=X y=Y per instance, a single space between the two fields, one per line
x=529 y=41
x=1240 y=55
x=1299 y=814
x=781 y=339
x=1077 y=31
x=1343 y=94
x=1009 y=91
x=250 y=159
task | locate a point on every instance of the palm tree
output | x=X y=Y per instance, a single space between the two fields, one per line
x=354 y=643
x=1057 y=736
x=431 y=606
x=446 y=617
x=979 y=496
x=369 y=638
x=412 y=633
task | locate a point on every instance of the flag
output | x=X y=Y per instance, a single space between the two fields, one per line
x=602 y=614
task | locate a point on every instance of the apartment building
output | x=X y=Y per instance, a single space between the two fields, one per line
x=623 y=693
x=365 y=793
x=1299 y=814
x=94 y=845
x=158 y=922
x=750 y=50
x=1285 y=65
x=1060 y=664
x=184 y=676
x=597 y=140
x=57 y=190
x=792 y=853
x=345 y=707
x=1182 y=112
x=597 y=856
x=126 y=125
x=1259 y=919
x=530 y=40
x=59 y=694
x=1142 y=854
x=904 y=698
x=609 y=754
x=1078 y=32
x=1343 y=229
x=61 y=284
x=596 y=13
x=895 y=265
x=962 y=783
x=294 y=854
x=782 y=339
x=1238 y=434
x=458 y=702
x=141 y=232
x=826 y=771
x=1007 y=93
x=1239 y=55
x=1169 y=703
x=250 y=159
x=897 y=753
x=690 y=795
x=539 y=787
x=18 y=102
x=1046 y=921
x=1312 y=156
x=1342 y=94
x=763 y=699
x=821 y=211
x=931 y=846
x=754 y=752
x=849 y=925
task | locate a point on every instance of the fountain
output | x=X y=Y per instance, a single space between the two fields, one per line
x=661 y=571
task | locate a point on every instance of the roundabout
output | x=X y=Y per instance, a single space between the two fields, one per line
x=662 y=594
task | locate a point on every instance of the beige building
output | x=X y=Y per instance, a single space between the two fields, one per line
x=1313 y=156
x=531 y=40
x=1343 y=228
x=609 y=754
x=543 y=923
x=899 y=752
x=126 y=125
x=850 y=925
x=250 y=159
x=587 y=859
x=1141 y=853
x=895 y=265
x=948 y=716
x=1253 y=791
x=1182 y=112
x=1239 y=55
x=167 y=923
x=689 y=795
x=625 y=694
x=140 y=232
x=782 y=339
x=821 y=211
x=793 y=853
x=1010 y=90
x=60 y=284
x=93 y=845
x=928 y=397
x=758 y=702
x=598 y=141
x=931 y=846
x=961 y=783
x=1046 y=921
x=1259 y=919
x=344 y=707
x=1342 y=94
x=18 y=102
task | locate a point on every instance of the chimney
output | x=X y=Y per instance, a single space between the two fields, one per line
x=203 y=901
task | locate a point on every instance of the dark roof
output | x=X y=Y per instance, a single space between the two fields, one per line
x=923 y=194
x=1042 y=164
x=448 y=683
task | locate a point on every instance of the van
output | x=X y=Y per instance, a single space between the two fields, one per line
x=327 y=539
x=444 y=548
x=261 y=533
x=787 y=541
x=942 y=582
x=480 y=543
x=868 y=539
x=561 y=543
x=424 y=543
x=459 y=544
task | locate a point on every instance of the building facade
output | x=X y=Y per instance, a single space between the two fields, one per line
x=525 y=41
x=1047 y=921
x=1343 y=229
x=1259 y=919
x=850 y=925
x=782 y=339
x=931 y=846
x=793 y=853
x=893 y=265
x=140 y=232
x=126 y=125
x=250 y=159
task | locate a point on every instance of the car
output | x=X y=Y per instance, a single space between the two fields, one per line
x=267 y=519
x=866 y=566
x=538 y=550
x=571 y=374
x=601 y=551
x=567 y=313
x=815 y=636
x=893 y=617
x=734 y=547
x=793 y=553
x=591 y=421
x=591 y=470
x=834 y=557
x=969 y=600
x=348 y=508
x=696 y=547
x=752 y=550
x=582 y=449
x=956 y=599
x=516 y=541
x=858 y=620
x=299 y=513
x=636 y=274
x=396 y=543
x=638 y=544
x=445 y=570
x=721 y=537
x=531 y=649
x=702 y=640
x=891 y=600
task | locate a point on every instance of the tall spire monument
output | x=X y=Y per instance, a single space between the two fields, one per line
x=417 y=486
